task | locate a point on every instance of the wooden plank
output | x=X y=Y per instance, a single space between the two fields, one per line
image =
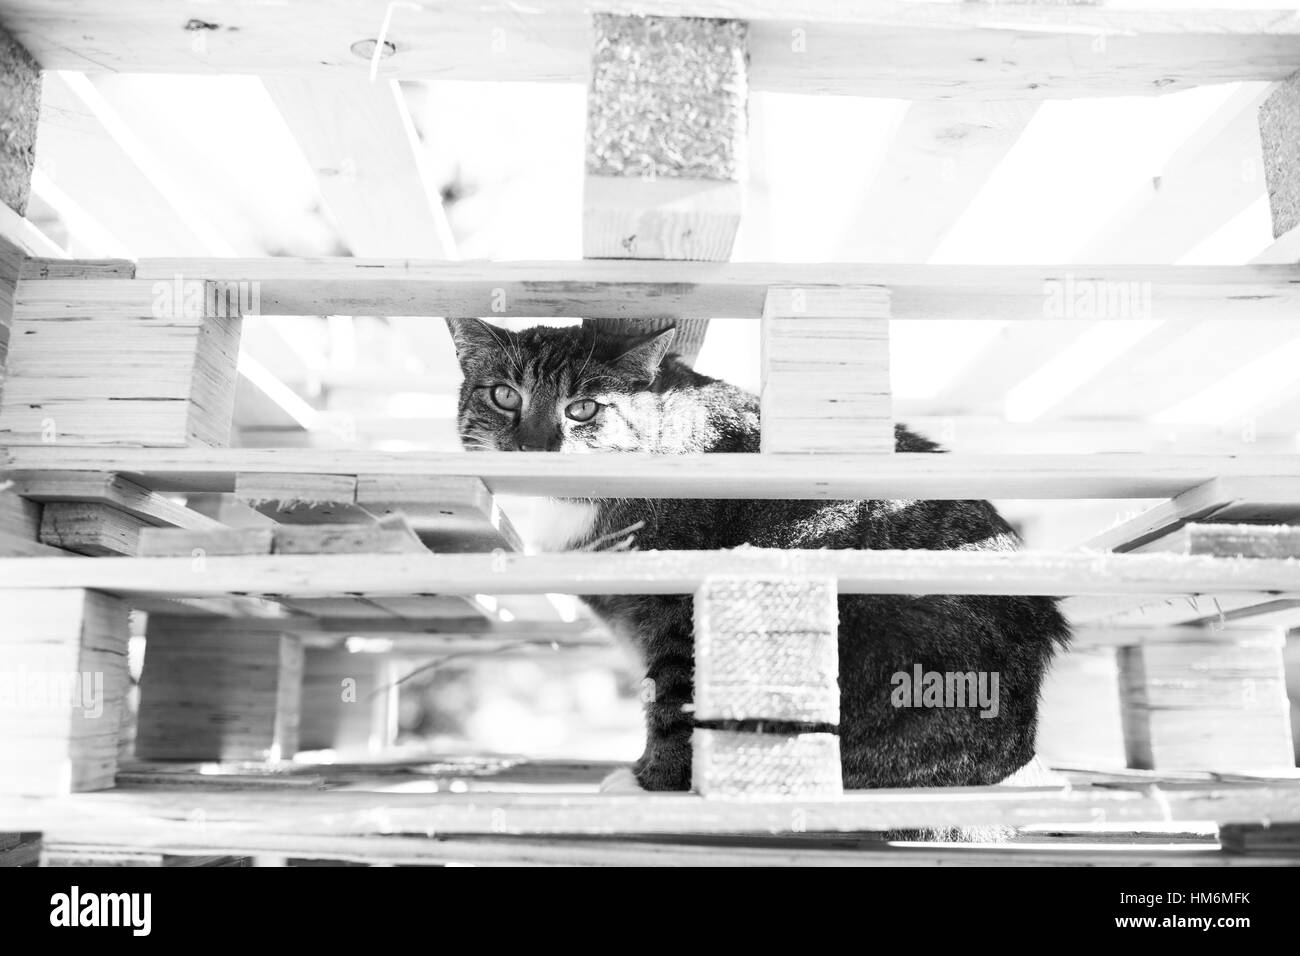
x=25 y=237
x=1203 y=610
x=391 y=536
x=152 y=816
x=829 y=477
x=1223 y=499
x=359 y=140
x=624 y=289
x=663 y=572
x=65 y=268
x=180 y=542
x=108 y=489
x=90 y=529
x=773 y=851
x=302 y=498
x=825 y=362
x=449 y=514
x=921 y=51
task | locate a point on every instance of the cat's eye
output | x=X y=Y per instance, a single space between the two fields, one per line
x=583 y=410
x=506 y=398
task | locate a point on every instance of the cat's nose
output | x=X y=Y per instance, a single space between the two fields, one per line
x=537 y=444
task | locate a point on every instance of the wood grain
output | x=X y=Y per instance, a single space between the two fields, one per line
x=661 y=572
x=919 y=50
x=826 y=477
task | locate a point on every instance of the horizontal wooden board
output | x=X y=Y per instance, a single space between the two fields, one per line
x=830 y=477
x=109 y=489
x=153 y=815
x=763 y=851
x=918 y=50
x=661 y=572
x=628 y=289
x=181 y=542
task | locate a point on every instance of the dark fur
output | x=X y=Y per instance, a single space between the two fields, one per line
x=669 y=408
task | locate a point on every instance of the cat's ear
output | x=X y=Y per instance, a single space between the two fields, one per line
x=642 y=360
x=473 y=337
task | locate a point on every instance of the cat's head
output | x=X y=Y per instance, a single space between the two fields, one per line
x=567 y=389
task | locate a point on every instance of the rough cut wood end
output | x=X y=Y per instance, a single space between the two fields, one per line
x=736 y=764
x=767 y=650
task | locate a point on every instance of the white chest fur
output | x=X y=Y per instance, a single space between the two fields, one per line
x=548 y=524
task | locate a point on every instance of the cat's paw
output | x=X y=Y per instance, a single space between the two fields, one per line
x=622 y=780
x=671 y=775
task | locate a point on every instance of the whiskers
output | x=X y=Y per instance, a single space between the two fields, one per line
x=476 y=443
x=626 y=536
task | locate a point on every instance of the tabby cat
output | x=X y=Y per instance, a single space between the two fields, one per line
x=572 y=389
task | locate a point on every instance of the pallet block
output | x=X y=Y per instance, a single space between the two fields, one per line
x=1279 y=132
x=214 y=690
x=158 y=372
x=1206 y=706
x=349 y=701
x=666 y=138
x=1261 y=839
x=1079 y=722
x=738 y=764
x=97 y=530
x=766 y=650
x=63 y=687
x=826 y=371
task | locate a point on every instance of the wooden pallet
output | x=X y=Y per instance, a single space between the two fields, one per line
x=241 y=604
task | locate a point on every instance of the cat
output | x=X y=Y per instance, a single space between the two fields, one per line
x=575 y=389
